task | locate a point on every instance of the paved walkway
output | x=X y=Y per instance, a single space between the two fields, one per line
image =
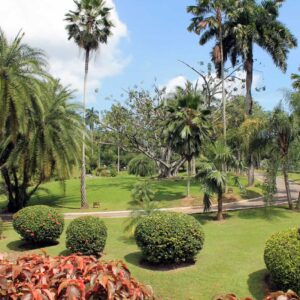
x=243 y=204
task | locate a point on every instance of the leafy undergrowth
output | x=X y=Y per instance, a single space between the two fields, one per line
x=40 y=277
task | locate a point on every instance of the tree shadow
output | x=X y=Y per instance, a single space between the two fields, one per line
x=209 y=217
x=135 y=258
x=23 y=246
x=265 y=213
x=258 y=283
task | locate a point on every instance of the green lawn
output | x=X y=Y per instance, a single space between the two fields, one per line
x=115 y=193
x=231 y=261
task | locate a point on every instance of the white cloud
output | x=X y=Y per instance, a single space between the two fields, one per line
x=172 y=84
x=44 y=27
x=234 y=87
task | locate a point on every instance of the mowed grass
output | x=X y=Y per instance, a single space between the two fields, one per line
x=231 y=261
x=115 y=193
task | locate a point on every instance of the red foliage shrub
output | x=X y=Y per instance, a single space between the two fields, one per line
x=289 y=295
x=40 y=277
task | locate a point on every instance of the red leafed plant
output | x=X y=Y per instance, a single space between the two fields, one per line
x=289 y=295
x=40 y=277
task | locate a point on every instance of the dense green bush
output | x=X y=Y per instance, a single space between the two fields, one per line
x=282 y=258
x=86 y=235
x=142 y=192
x=39 y=223
x=166 y=238
x=141 y=166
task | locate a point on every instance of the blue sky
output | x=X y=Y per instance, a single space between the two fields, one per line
x=148 y=40
x=157 y=38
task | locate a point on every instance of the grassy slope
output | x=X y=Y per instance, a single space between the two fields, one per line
x=231 y=261
x=115 y=193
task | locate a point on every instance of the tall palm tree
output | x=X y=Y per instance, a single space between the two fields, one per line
x=49 y=146
x=89 y=26
x=252 y=24
x=21 y=68
x=187 y=126
x=208 y=22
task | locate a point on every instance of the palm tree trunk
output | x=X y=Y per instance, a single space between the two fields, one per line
x=220 y=206
x=193 y=166
x=118 y=159
x=219 y=18
x=84 y=203
x=248 y=66
x=189 y=178
x=287 y=184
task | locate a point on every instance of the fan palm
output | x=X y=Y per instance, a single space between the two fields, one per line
x=187 y=126
x=89 y=26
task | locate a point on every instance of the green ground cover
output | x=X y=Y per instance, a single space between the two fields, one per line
x=115 y=193
x=231 y=261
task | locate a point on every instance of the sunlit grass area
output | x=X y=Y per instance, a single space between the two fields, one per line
x=231 y=261
x=114 y=193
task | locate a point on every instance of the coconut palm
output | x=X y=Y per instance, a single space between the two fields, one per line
x=208 y=22
x=187 y=126
x=296 y=80
x=252 y=24
x=49 y=146
x=89 y=26
x=21 y=68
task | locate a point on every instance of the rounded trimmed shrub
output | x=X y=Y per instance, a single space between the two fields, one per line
x=39 y=224
x=86 y=235
x=282 y=259
x=169 y=237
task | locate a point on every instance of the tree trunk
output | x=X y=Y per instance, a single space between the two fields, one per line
x=193 y=166
x=220 y=206
x=84 y=202
x=248 y=65
x=287 y=184
x=118 y=165
x=188 y=188
x=251 y=171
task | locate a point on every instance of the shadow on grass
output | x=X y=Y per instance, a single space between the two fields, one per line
x=22 y=245
x=257 y=284
x=265 y=213
x=211 y=217
x=135 y=258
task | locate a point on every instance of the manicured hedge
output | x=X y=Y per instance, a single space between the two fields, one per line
x=39 y=224
x=282 y=258
x=167 y=238
x=72 y=277
x=86 y=235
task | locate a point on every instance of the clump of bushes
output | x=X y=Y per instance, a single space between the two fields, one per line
x=71 y=277
x=86 y=235
x=141 y=166
x=282 y=258
x=39 y=224
x=142 y=192
x=167 y=238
